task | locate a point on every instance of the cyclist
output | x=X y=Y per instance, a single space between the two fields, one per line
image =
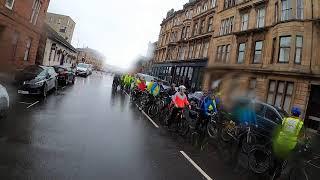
x=180 y=101
x=116 y=80
x=207 y=104
x=286 y=139
x=172 y=90
x=155 y=89
x=141 y=84
x=150 y=86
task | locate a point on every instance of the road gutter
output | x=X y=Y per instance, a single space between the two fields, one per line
x=196 y=166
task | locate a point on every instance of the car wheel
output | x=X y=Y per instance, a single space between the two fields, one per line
x=3 y=108
x=73 y=79
x=56 y=85
x=44 y=90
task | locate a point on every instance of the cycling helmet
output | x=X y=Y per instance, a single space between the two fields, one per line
x=295 y=111
x=182 y=87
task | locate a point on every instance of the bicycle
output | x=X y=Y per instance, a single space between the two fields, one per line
x=302 y=167
x=242 y=134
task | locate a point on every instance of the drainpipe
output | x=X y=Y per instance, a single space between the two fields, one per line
x=312 y=31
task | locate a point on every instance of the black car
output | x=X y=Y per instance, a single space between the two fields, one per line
x=36 y=80
x=268 y=117
x=66 y=75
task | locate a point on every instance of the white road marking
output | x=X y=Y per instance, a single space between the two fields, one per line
x=25 y=103
x=33 y=104
x=196 y=166
x=150 y=119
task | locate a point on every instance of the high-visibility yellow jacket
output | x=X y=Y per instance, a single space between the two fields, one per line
x=149 y=87
x=288 y=135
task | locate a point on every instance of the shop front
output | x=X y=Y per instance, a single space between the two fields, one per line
x=188 y=73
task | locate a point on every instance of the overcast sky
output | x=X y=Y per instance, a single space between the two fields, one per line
x=120 y=29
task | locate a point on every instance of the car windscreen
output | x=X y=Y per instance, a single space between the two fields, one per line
x=282 y=113
x=33 y=70
x=59 y=69
x=148 y=78
x=83 y=65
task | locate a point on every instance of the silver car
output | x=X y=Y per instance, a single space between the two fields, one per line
x=4 y=101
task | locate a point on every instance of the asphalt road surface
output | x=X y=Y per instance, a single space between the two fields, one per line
x=86 y=131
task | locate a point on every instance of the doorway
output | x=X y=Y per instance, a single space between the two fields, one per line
x=312 y=119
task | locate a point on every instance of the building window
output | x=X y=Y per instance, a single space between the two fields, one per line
x=205 y=49
x=182 y=51
x=241 y=55
x=226 y=26
x=258 y=52
x=195 y=29
x=284 y=54
x=210 y=23
x=228 y=53
x=244 y=21
x=63 y=29
x=35 y=11
x=9 y=4
x=205 y=6
x=276 y=12
x=213 y=3
x=223 y=53
x=15 y=39
x=183 y=33
x=197 y=55
x=229 y=3
x=299 y=9
x=219 y=53
x=299 y=44
x=285 y=10
x=188 y=32
x=260 y=17
x=280 y=94
x=27 y=50
x=198 y=10
x=190 y=51
x=202 y=29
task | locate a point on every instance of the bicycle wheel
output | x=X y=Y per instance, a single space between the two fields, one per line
x=212 y=130
x=225 y=136
x=152 y=111
x=195 y=139
x=298 y=174
x=247 y=143
x=259 y=160
x=183 y=127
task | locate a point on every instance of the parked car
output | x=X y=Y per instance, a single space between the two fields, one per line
x=36 y=80
x=83 y=69
x=66 y=75
x=4 y=101
x=268 y=117
x=90 y=68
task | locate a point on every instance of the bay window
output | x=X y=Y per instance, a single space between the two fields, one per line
x=284 y=54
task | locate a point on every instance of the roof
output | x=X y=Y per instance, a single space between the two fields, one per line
x=61 y=15
x=52 y=34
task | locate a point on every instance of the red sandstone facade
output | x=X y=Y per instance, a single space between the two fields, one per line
x=21 y=23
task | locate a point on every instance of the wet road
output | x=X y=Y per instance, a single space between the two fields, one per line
x=86 y=131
